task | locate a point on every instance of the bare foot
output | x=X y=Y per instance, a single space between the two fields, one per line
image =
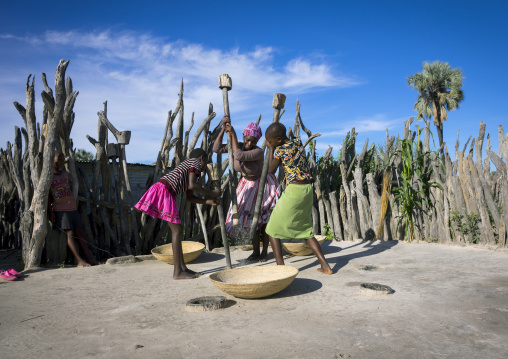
x=325 y=270
x=185 y=275
x=196 y=274
x=253 y=257
x=83 y=264
x=263 y=258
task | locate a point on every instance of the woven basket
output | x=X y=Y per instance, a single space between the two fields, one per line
x=254 y=282
x=191 y=250
x=302 y=248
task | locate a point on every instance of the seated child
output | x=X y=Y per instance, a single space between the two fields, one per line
x=292 y=216
x=63 y=212
x=160 y=202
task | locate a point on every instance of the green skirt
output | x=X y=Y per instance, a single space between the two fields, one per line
x=292 y=215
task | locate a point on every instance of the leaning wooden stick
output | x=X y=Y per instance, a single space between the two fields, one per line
x=214 y=170
x=203 y=226
x=225 y=85
x=278 y=103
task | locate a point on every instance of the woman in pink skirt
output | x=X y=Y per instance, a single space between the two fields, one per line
x=248 y=160
x=159 y=202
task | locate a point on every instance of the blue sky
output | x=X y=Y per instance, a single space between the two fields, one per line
x=346 y=61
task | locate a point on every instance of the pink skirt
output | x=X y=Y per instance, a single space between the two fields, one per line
x=246 y=194
x=158 y=203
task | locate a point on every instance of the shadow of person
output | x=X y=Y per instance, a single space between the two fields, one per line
x=372 y=248
x=207 y=257
x=327 y=248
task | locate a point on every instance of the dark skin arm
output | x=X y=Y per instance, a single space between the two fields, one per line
x=273 y=163
x=234 y=140
x=194 y=199
x=220 y=137
x=195 y=187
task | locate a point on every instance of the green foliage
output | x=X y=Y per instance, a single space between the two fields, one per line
x=83 y=156
x=415 y=180
x=328 y=168
x=467 y=224
x=328 y=233
x=369 y=163
x=230 y=241
x=499 y=205
x=499 y=208
x=440 y=90
x=349 y=154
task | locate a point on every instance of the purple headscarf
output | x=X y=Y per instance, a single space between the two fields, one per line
x=252 y=130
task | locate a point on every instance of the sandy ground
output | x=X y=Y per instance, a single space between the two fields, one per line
x=449 y=302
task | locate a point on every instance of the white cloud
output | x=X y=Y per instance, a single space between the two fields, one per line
x=375 y=123
x=139 y=75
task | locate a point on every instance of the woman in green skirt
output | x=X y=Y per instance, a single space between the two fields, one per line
x=292 y=215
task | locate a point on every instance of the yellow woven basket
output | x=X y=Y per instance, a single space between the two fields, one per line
x=191 y=250
x=301 y=248
x=254 y=282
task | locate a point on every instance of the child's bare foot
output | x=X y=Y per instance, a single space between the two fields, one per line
x=185 y=275
x=196 y=274
x=325 y=270
x=263 y=258
x=83 y=264
x=253 y=257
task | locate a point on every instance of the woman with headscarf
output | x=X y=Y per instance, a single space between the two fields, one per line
x=248 y=161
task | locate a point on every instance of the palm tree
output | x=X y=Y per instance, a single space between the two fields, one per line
x=440 y=89
x=83 y=155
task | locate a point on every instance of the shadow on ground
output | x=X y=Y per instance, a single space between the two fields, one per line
x=207 y=257
x=338 y=262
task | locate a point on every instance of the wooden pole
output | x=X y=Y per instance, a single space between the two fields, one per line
x=113 y=155
x=203 y=226
x=215 y=174
x=278 y=103
x=225 y=85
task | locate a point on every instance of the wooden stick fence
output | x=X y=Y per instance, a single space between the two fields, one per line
x=353 y=197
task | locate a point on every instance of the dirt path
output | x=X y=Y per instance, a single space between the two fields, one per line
x=449 y=302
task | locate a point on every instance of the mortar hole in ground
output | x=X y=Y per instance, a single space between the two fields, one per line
x=203 y=304
x=371 y=289
x=368 y=267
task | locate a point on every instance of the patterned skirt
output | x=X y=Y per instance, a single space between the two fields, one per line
x=246 y=194
x=158 y=202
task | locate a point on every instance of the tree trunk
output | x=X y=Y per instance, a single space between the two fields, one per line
x=503 y=183
x=485 y=226
x=375 y=201
x=465 y=183
x=337 y=227
x=367 y=231
x=439 y=128
x=36 y=215
x=321 y=205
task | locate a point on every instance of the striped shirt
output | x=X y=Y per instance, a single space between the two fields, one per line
x=177 y=180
